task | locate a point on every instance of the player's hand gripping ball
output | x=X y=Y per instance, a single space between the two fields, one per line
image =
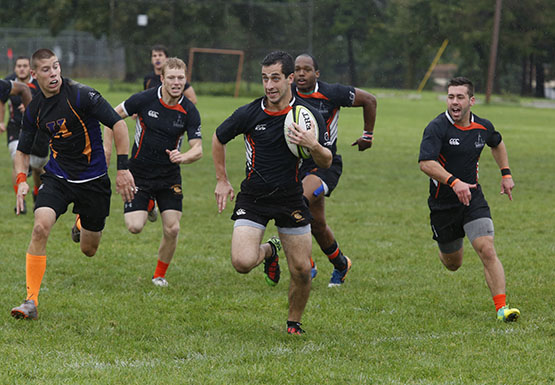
x=304 y=118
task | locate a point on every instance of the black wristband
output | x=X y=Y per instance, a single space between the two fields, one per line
x=123 y=162
x=452 y=180
x=505 y=171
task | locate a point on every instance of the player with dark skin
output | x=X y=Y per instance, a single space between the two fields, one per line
x=317 y=184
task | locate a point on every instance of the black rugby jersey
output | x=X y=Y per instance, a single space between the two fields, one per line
x=71 y=119
x=159 y=127
x=458 y=150
x=328 y=100
x=5 y=89
x=270 y=168
x=153 y=81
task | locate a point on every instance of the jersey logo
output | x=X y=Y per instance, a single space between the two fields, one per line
x=454 y=141
x=240 y=212
x=479 y=143
x=153 y=114
x=260 y=127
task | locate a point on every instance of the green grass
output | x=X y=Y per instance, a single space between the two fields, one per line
x=401 y=318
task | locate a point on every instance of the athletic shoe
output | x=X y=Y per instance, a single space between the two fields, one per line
x=152 y=211
x=160 y=281
x=294 y=328
x=313 y=269
x=76 y=230
x=338 y=277
x=271 y=263
x=506 y=314
x=27 y=310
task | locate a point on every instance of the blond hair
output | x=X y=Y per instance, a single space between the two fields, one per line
x=173 y=63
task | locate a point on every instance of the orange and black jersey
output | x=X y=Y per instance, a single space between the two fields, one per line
x=328 y=99
x=159 y=127
x=5 y=89
x=154 y=81
x=458 y=150
x=271 y=168
x=71 y=120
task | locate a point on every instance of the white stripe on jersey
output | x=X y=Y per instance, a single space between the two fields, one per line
x=248 y=152
x=333 y=128
x=138 y=131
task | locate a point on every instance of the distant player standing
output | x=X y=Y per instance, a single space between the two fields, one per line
x=39 y=152
x=272 y=188
x=164 y=115
x=449 y=154
x=319 y=183
x=70 y=114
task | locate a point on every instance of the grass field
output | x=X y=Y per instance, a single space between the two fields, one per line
x=400 y=318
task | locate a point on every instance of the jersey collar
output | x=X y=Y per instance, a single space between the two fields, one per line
x=277 y=113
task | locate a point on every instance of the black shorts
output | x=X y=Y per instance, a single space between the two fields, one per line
x=91 y=200
x=12 y=131
x=330 y=176
x=290 y=211
x=447 y=225
x=166 y=192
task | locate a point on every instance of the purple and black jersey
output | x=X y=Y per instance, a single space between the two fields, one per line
x=270 y=167
x=5 y=89
x=159 y=127
x=71 y=120
x=458 y=150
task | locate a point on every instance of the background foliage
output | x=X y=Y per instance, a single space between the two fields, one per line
x=379 y=43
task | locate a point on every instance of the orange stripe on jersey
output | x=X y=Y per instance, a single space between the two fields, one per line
x=473 y=126
x=278 y=113
x=31 y=85
x=314 y=95
x=249 y=139
x=177 y=107
x=87 y=151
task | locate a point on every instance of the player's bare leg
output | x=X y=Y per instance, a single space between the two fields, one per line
x=246 y=250
x=493 y=269
x=297 y=249
x=452 y=261
x=168 y=244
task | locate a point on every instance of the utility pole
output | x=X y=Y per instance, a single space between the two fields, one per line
x=493 y=49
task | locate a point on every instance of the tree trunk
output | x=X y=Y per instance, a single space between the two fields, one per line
x=540 y=80
x=351 y=56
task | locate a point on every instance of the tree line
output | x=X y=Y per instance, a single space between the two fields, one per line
x=372 y=43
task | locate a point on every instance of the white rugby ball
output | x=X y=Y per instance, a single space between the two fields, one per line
x=304 y=118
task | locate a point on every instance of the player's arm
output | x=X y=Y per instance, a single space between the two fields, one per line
x=2 y=117
x=190 y=94
x=321 y=155
x=436 y=171
x=109 y=136
x=223 y=186
x=192 y=155
x=502 y=159
x=21 y=166
x=23 y=91
x=125 y=184
x=369 y=107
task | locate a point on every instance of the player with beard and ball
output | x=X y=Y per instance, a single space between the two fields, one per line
x=272 y=187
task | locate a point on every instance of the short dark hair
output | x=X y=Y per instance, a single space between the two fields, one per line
x=462 y=81
x=41 y=54
x=314 y=62
x=282 y=57
x=22 y=58
x=159 y=48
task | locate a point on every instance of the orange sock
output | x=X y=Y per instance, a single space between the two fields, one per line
x=78 y=222
x=161 y=268
x=35 y=190
x=34 y=271
x=499 y=301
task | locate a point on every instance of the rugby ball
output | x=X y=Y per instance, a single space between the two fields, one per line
x=304 y=118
